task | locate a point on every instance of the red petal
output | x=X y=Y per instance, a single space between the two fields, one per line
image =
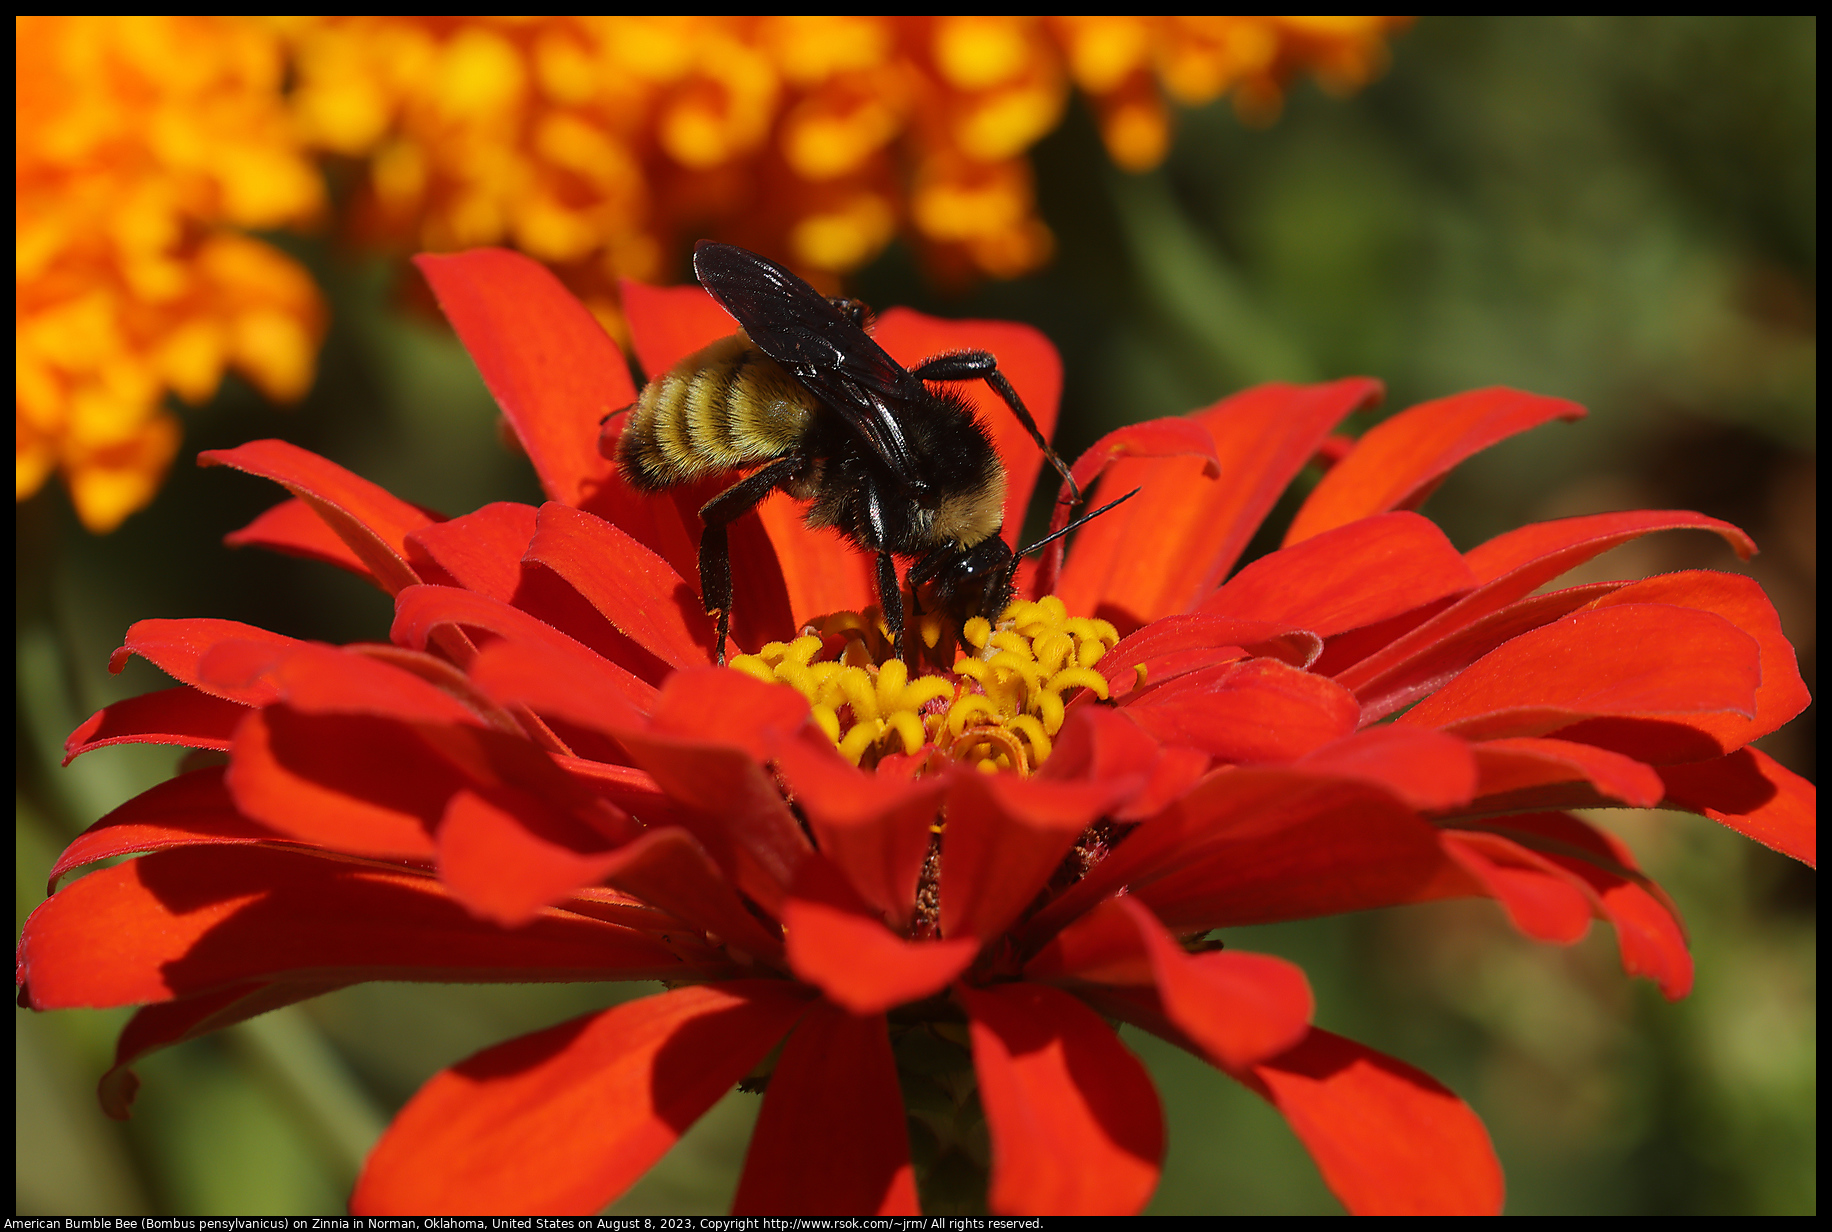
x=372 y=522
x=363 y=785
x=1156 y=438
x=1782 y=694
x=566 y=1119
x=1522 y=768
x=873 y=829
x=1257 y=846
x=1257 y=712
x=183 y=716
x=1106 y=751
x=1076 y=1126
x=1179 y=644
x=1341 y=652
x=1542 y=901
x=1753 y=794
x=670 y=869
x=1398 y=463
x=732 y=806
x=719 y=706
x=1290 y=825
x=1389 y=1139
x=1435 y=773
x=1643 y=661
x=637 y=591
x=507 y=856
x=1393 y=676
x=291 y=527
x=1165 y=549
x=821 y=571
x=1422 y=659
x=422 y=610
x=667 y=324
x=1648 y=932
x=1546 y=549
x=835 y=944
x=551 y=368
x=1005 y=837
x=160 y=1026
x=479 y=551
x=669 y=525
x=1240 y=1008
x=320 y=679
x=201 y=918
x=191 y=810
x=831 y=1138
x=176 y=646
x=1027 y=359
x=1345 y=578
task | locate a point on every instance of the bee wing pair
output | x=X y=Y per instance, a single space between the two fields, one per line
x=802 y=330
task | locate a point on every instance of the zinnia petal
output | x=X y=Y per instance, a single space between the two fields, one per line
x=177 y=923
x=190 y=810
x=1388 y=1139
x=1239 y=1008
x=550 y=366
x=637 y=591
x=293 y=527
x=831 y=1138
x=1253 y=713
x=183 y=716
x=372 y=522
x=1168 y=547
x=834 y=944
x=1753 y=794
x=566 y=1119
x=1398 y=463
x=1642 y=660
x=1076 y=1127
x=1353 y=575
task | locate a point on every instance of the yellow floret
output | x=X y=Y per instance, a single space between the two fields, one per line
x=1004 y=698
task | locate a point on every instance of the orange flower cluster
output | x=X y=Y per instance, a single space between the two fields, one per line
x=145 y=145
x=608 y=142
x=599 y=145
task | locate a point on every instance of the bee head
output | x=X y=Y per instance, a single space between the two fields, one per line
x=967 y=582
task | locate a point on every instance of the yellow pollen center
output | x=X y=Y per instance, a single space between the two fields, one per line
x=997 y=708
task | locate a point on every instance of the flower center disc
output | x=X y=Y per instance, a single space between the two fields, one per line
x=998 y=707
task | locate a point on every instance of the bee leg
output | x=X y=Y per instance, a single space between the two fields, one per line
x=890 y=595
x=983 y=366
x=715 y=549
x=892 y=600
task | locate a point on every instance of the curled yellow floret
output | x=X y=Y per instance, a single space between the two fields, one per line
x=999 y=707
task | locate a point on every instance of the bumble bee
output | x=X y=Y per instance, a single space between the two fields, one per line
x=896 y=467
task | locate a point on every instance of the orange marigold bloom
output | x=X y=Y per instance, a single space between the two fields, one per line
x=144 y=146
x=603 y=143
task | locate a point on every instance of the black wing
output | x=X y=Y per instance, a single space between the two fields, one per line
x=798 y=327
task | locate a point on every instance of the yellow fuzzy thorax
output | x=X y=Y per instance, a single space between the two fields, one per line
x=998 y=708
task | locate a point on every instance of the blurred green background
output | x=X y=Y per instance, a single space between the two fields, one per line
x=1619 y=211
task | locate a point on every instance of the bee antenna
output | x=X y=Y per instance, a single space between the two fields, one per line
x=1081 y=521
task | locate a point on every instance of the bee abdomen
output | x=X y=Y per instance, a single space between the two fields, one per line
x=725 y=406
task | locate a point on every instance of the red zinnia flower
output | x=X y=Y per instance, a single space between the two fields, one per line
x=540 y=778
